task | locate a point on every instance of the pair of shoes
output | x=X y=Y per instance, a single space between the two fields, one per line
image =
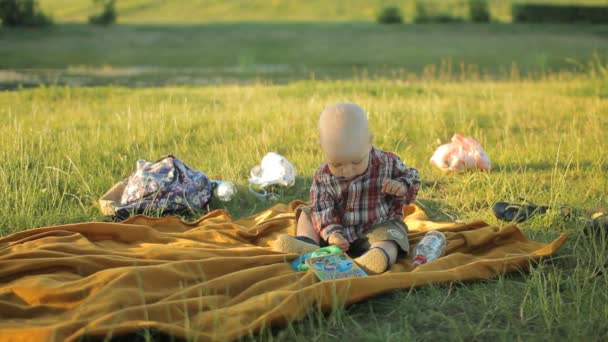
x=517 y=212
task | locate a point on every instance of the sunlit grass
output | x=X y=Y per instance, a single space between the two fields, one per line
x=196 y=11
x=526 y=92
x=63 y=147
x=278 y=52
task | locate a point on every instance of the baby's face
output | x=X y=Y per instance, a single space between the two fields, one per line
x=345 y=139
x=348 y=167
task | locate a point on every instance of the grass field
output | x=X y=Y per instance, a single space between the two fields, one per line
x=63 y=147
x=197 y=11
x=144 y=55
x=222 y=95
x=217 y=42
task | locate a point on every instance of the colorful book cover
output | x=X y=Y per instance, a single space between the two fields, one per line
x=328 y=267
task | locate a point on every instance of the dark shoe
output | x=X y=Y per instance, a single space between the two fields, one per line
x=514 y=212
x=597 y=223
x=596 y=229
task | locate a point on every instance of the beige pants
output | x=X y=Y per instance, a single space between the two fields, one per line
x=390 y=230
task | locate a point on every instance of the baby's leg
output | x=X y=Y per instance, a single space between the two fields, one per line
x=305 y=228
x=379 y=258
x=383 y=242
x=306 y=239
x=390 y=248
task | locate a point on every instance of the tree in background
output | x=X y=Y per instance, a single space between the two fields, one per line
x=22 y=13
x=429 y=11
x=390 y=15
x=479 y=11
x=107 y=16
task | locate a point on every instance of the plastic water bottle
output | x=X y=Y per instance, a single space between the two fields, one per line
x=429 y=248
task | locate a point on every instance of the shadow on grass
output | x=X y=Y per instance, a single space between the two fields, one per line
x=246 y=203
x=437 y=211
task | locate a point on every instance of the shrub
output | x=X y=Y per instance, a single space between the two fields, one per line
x=479 y=11
x=108 y=16
x=22 y=13
x=537 y=13
x=390 y=15
x=435 y=11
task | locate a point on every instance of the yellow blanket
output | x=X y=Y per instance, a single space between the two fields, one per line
x=212 y=279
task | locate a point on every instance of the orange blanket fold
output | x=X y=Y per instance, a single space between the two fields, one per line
x=212 y=279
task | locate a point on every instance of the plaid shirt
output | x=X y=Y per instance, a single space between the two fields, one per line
x=352 y=207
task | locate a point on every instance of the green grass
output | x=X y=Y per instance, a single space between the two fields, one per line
x=535 y=96
x=144 y=55
x=196 y=11
x=62 y=147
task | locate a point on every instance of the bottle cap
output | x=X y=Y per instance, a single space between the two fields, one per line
x=329 y=250
x=419 y=260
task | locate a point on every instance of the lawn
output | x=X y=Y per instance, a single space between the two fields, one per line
x=221 y=95
x=159 y=54
x=197 y=11
x=64 y=146
x=219 y=42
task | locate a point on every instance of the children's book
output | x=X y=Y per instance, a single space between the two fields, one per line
x=328 y=267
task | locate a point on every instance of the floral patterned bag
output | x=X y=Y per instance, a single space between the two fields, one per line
x=167 y=186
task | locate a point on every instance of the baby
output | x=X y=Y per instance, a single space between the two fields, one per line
x=356 y=197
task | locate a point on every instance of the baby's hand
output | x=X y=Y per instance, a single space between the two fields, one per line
x=338 y=240
x=394 y=187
